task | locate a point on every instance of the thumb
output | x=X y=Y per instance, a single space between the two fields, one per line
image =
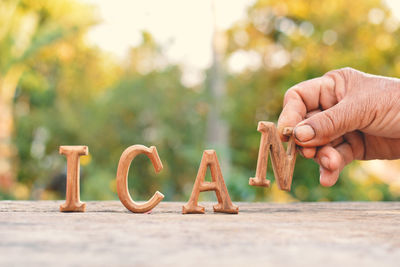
x=328 y=125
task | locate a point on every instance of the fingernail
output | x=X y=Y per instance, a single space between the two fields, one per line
x=325 y=162
x=304 y=133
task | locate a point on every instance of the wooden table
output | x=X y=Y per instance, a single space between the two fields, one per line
x=262 y=234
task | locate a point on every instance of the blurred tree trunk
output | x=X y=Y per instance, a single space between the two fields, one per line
x=8 y=84
x=217 y=128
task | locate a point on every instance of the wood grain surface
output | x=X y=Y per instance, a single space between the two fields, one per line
x=262 y=234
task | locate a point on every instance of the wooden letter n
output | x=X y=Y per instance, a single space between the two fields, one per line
x=282 y=161
x=224 y=205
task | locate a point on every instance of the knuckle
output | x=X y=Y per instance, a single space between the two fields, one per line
x=331 y=122
x=344 y=80
x=347 y=70
x=340 y=74
x=290 y=94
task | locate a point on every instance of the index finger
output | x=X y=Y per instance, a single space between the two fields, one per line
x=317 y=93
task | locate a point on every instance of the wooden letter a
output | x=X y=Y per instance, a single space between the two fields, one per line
x=282 y=161
x=218 y=185
x=72 y=199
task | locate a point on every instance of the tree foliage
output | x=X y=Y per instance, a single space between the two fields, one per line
x=71 y=93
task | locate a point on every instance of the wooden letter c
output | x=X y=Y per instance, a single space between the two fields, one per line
x=122 y=178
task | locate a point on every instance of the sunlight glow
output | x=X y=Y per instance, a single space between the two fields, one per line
x=184 y=29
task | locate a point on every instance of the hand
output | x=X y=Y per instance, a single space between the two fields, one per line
x=342 y=116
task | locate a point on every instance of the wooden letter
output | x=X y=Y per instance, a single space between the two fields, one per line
x=282 y=161
x=218 y=185
x=122 y=178
x=72 y=198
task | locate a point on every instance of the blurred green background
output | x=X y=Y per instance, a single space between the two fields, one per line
x=59 y=89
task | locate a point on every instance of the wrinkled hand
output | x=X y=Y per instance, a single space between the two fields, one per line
x=342 y=116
